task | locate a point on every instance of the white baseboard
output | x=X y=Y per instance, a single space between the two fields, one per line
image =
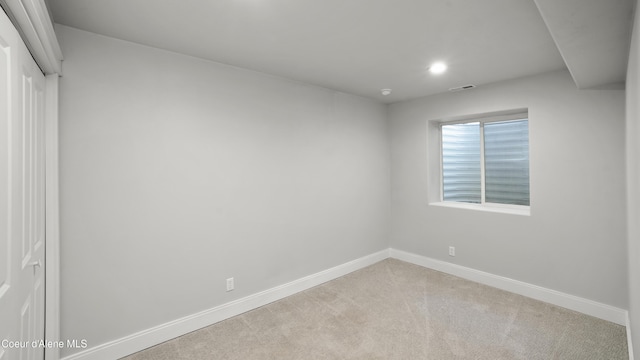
x=585 y=306
x=147 y=338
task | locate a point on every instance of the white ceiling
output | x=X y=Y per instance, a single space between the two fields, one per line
x=593 y=37
x=362 y=46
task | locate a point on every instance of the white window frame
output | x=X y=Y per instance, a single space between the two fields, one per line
x=436 y=185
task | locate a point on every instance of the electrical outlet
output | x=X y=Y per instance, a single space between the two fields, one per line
x=230 y=285
x=452 y=251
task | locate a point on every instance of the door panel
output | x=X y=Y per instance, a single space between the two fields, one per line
x=38 y=317
x=39 y=173
x=25 y=328
x=9 y=305
x=22 y=175
x=5 y=173
x=21 y=197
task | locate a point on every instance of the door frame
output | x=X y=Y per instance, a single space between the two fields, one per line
x=34 y=24
x=52 y=219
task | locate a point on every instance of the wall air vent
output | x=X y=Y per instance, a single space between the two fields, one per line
x=463 y=87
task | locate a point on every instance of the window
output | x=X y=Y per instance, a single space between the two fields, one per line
x=486 y=160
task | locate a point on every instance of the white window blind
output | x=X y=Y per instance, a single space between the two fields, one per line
x=486 y=162
x=461 y=173
x=506 y=162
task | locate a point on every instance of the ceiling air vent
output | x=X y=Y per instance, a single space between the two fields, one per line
x=463 y=87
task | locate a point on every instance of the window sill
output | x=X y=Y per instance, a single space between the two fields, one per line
x=497 y=208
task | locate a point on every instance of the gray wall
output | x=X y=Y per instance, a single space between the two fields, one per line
x=177 y=173
x=574 y=240
x=633 y=184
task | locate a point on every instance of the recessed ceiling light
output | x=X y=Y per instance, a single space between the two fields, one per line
x=437 y=68
x=385 y=92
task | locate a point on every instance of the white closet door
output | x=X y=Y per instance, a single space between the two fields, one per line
x=22 y=219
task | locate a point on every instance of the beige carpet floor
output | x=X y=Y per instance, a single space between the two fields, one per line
x=396 y=310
